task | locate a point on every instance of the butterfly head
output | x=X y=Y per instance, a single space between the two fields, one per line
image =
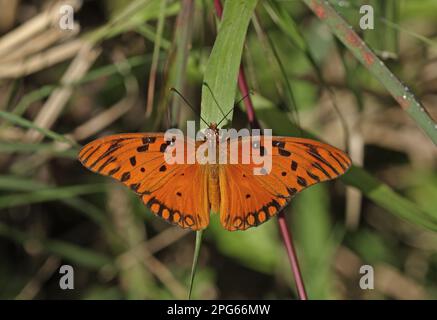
x=214 y=127
x=214 y=131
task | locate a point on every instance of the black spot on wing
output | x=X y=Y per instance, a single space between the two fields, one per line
x=84 y=161
x=301 y=181
x=163 y=147
x=112 y=148
x=125 y=176
x=147 y=140
x=279 y=144
x=345 y=160
x=340 y=163
x=113 y=171
x=143 y=148
x=83 y=153
x=108 y=161
x=292 y=191
x=313 y=176
x=133 y=161
x=284 y=153
x=135 y=186
x=319 y=167
x=315 y=154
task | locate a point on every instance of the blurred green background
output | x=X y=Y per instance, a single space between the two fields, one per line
x=112 y=74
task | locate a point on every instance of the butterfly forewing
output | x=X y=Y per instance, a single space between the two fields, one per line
x=138 y=161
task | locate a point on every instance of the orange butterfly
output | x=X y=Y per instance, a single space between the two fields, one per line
x=184 y=194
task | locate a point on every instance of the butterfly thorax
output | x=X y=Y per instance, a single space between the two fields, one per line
x=211 y=136
x=213 y=133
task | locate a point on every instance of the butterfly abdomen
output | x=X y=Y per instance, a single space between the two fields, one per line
x=213 y=187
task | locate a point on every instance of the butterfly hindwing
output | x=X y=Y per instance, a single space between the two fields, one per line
x=248 y=199
x=183 y=200
x=137 y=160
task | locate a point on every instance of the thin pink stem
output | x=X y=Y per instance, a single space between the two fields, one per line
x=292 y=257
x=286 y=235
x=242 y=84
x=218 y=8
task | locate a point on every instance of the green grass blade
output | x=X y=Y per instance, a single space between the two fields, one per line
x=425 y=40
x=30 y=125
x=155 y=59
x=32 y=97
x=47 y=148
x=199 y=235
x=17 y=183
x=388 y=199
x=12 y=94
x=292 y=105
x=386 y=41
x=45 y=91
x=135 y=14
x=150 y=34
x=48 y=194
x=223 y=64
x=178 y=70
x=71 y=252
x=285 y=23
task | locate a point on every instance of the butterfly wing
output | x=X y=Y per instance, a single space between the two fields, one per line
x=248 y=200
x=137 y=160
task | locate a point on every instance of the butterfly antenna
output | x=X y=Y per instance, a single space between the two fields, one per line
x=188 y=104
x=238 y=102
x=213 y=97
x=234 y=107
x=225 y=117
